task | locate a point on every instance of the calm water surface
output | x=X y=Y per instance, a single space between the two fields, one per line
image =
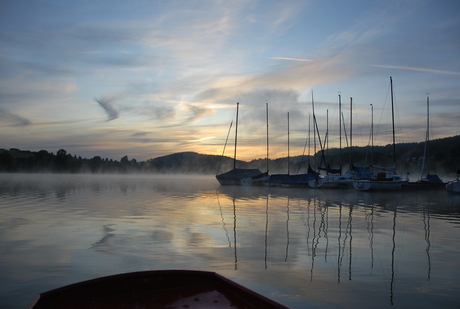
x=302 y=247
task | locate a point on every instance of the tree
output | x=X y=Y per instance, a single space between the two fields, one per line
x=124 y=164
x=96 y=164
x=61 y=160
x=7 y=162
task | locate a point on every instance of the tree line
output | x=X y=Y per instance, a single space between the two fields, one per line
x=25 y=161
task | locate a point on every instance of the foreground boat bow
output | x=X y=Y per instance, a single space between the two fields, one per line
x=155 y=289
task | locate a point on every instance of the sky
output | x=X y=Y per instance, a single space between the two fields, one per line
x=151 y=78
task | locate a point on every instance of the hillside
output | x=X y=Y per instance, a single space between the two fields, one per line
x=443 y=158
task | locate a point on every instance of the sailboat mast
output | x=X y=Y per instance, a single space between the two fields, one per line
x=340 y=130
x=266 y=104
x=288 y=143
x=309 y=140
x=225 y=146
x=393 y=121
x=351 y=128
x=372 y=133
x=427 y=137
x=236 y=134
x=427 y=118
x=314 y=129
x=326 y=138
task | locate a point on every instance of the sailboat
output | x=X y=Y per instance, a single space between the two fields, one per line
x=334 y=177
x=239 y=176
x=430 y=181
x=359 y=172
x=261 y=179
x=297 y=180
x=277 y=179
x=387 y=179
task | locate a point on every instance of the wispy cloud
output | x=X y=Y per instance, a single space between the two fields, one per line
x=197 y=113
x=299 y=75
x=293 y=59
x=416 y=69
x=13 y=119
x=88 y=52
x=106 y=104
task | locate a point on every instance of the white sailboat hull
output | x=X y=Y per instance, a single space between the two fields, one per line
x=380 y=182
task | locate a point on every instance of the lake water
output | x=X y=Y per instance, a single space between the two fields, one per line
x=304 y=248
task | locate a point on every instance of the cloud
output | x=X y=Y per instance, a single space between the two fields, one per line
x=197 y=113
x=13 y=119
x=295 y=76
x=88 y=52
x=164 y=112
x=416 y=69
x=106 y=104
x=293 y=59
x=148 y=109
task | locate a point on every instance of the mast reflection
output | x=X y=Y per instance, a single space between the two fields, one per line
x=426 y=223
x=370 y=230
x=325 y=224
x=234 y=233
x=287 y=230
x=393 y=258
x=266 y=232
x=223 y=222
x=339 y=244
x=363 y=225
x=350 y=226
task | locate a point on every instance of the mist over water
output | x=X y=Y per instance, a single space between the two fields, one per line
x=301 y=247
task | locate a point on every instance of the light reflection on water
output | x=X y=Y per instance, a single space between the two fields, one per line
x=322 y=248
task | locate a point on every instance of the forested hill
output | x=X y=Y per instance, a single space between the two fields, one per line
x=443 y=158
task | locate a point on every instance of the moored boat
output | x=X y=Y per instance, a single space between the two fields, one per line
x=288 y=180
x=454 y=185
x=430 y=181
x=380 y=182
x=299 y=180
x=335 y=178
x=155 y=289
x=276 y=180
x=240 y=176
x=336 y=181
x=387 y=180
